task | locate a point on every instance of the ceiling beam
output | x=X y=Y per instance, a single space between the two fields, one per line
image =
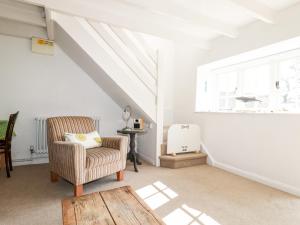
x=256 y=9
x=124 y=15
x=29 y=8
x=171 y=8
x=17 y=29
x=50 y=24
x=21 y=15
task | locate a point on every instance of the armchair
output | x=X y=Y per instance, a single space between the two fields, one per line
x=79 y=165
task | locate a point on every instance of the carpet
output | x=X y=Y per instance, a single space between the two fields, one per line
x=200 y=195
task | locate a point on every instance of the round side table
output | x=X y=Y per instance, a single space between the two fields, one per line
x=132 y=155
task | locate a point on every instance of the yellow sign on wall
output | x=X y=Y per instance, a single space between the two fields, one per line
x=42 y=46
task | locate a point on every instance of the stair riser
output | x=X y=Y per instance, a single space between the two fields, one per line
x=165 y=133
x=183 y=163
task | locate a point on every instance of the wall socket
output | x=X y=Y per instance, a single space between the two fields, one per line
x=31 y=149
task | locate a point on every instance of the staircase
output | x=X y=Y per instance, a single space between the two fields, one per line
x=179 y=160
x=114 y=58
x=122 y=64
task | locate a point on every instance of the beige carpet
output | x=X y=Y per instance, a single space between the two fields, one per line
x=199 y=195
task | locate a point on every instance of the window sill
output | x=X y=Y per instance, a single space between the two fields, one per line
x=249 y=112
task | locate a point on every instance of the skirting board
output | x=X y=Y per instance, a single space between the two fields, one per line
x=147 y=159
x=252 y=176
x=30 y=161
x=260 y=179
x=210 y=160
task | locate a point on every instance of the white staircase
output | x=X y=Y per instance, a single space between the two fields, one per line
x=114 y=58
x=121 y=63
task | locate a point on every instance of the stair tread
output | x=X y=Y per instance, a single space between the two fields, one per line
x=183 y=156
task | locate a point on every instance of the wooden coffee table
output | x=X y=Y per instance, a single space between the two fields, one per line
x=113 y=207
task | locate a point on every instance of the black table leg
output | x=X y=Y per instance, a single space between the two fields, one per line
x=132 y=151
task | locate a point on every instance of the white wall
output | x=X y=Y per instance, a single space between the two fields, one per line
x=186 y=61
x=146 y=143
x=166 y=57
x=263 y=147
x=165 y=50
x=40 y=85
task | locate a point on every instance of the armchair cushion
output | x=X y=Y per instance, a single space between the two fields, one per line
x=96 y=157
x=88 y=140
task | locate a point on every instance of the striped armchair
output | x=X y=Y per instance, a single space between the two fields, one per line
x=76 y=164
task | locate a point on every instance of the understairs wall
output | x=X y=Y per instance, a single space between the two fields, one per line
x=43 y=86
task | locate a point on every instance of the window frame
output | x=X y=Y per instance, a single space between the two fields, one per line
x=273 y=61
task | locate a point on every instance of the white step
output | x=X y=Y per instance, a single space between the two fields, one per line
x=183 y=160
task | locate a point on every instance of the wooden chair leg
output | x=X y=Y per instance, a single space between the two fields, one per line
x=2 y=161
x=120 y=175
x=53 y=177
x=7 y=165
x=78 y=190
x=10 y=162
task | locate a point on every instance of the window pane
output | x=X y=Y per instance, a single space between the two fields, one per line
x=256 y=81
x=289 y=84
x=227 y=88
x=227 y=83
x=257 y=85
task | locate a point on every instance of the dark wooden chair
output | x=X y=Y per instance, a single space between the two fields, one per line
x=5 y=146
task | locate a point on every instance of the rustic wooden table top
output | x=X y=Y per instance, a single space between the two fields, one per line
x=113 y=207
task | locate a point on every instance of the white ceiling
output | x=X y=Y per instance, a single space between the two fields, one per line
x=278 y=4
x=220 y=10
x=193 y=21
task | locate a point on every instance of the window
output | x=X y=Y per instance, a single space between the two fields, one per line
x=227 y=90
x=257 y=84
x=289 y=84
x=268 y=84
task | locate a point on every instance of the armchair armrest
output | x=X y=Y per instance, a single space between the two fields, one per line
x=68 y=160
x=118 y=143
